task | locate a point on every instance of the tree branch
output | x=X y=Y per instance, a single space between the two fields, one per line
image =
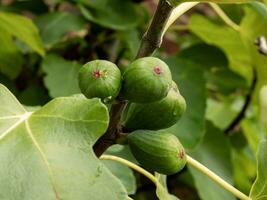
x=151 y=40
x=111 y=134
x=242 y=113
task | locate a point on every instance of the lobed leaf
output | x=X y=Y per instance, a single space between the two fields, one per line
x=47 y=155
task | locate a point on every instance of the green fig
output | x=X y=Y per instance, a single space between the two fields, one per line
x=146 y=80
x=157 y=115
x=100 y=78
x=157 y=151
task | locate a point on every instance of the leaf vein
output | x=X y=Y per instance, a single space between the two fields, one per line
x=30 y=133
x=68 y=119
x=22 y=119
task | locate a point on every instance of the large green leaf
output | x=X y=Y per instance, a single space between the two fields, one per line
x=115 y=14
x=47 y=155
x=61 y=76
x=198 y=54
x=252 y=26
x=259 y=188
x=54 y=26
x=214 y=153
x=22 y=28
x=219 y=76
x=190 y=79
x=10 y=58
x=228 y=40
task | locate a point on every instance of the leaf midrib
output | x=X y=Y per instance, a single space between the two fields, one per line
x=22 y=118
x=50 y=172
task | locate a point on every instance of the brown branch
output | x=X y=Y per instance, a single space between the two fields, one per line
x=242 y=112
x=151 y=40
x=111 y=135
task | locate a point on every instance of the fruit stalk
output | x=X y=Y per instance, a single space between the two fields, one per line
x=216 y=178
x=151 y=40
x=224 y=17
x=131 y=165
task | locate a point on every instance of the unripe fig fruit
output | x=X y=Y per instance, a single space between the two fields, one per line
x=100 y=78
x=146 y=80
x=157 y=151
x=157 y=115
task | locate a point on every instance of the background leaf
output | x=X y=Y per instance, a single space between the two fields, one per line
x=263 y=104
x=116 y=14
x=252 y=26
x=214 y=153
x=61 y=76
x=22 y=28
x=227 y=39
x=190 y=80
x=123 y=173
x=219 y=77
x=55 y=26
x=259 y=188
x=9 y=67
x=162 y=189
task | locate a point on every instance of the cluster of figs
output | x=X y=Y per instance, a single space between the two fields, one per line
x=154 y=104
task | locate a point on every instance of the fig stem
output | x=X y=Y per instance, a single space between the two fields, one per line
x=192 y=162
x=133 y=166
x=224 y=17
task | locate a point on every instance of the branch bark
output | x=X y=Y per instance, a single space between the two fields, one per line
x=242 y=113
x=151 y=40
